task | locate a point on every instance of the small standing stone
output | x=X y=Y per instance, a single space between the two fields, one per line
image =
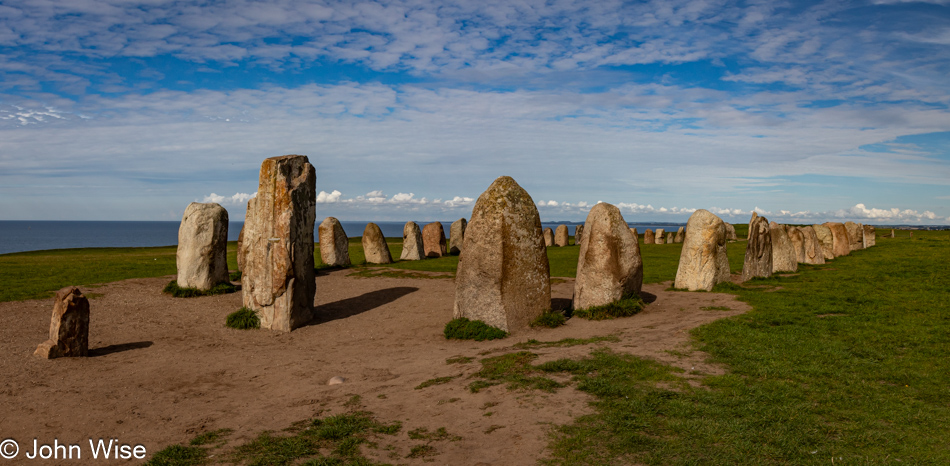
x=334 y=245
x=457 y=235
x=69 y=326
x=412 y=247
x=784 y=258
x=202 y=256
x=703 y=260
x=649 y=237
x=635 y=234
x=870 y=236
x=660 y=237
x=758 y=252
x=609 y=266
x=578 y=234
x=731 y=233
x=374 y=245
x=892 y=234
x=840 y=238
x=561 y=238
x=433 y=239
x=548 y=237
x=680 y=236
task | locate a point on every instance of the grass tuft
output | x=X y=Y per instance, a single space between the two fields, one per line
x=549 y=319
x=516 y=370
x=532 y=343
x=464 y=329
x=436 y=381
x=243 y=319
x=178 y=455
x=459 y=360
x=624 y=307
x=173 y=289
x=208 y=438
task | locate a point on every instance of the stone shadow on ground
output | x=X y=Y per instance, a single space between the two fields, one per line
x=647 y=297
x=352 y=306
x=106 y=350
x=561 y=304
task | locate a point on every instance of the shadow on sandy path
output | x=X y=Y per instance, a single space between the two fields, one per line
x=358 y=305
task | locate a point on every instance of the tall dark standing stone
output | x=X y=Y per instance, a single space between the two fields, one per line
x=578 y=234
x=433 y=240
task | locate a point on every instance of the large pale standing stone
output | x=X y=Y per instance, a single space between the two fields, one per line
x=433 y=239
x=797 y=238
x=870 y=236
x=731 y=233
x=680 y=235
x=703 y=260
x=660 y=237
x=578 y=234
x=412 y=246
x=784 y=258
x=457 y=235
x=855 y=235
x=334 y=245
x=609 y=266
x=826 y=238
x=239 y=256
x=892 y=234
x=758 y=252
x=503 y=278
x=561 y=238
x=813 y=250
x=68 y=327
x=841 y=240
x=374 y=245
x=548 y=237
x=202 y=257
x=649 y=237
x=278 y=282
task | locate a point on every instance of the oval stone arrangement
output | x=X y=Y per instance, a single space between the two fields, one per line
x=202 y=257
x=278 y=280
x=703 y=260
x=334 y=245
x=609 y=267
x=503 y=278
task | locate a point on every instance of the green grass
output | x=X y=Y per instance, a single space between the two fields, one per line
x=178 y=455
x=173 y=289
x=530 y=344
x=624 y=307
x=243 y=319
x=549 y=319
x=464 y=329
x=436 y=381
x=513 y=369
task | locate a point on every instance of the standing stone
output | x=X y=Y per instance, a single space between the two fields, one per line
x=412 y=246
x=703 y=260
x=784 y=258
x=240 y=250
x=892 y=234
x=660 y=237
x=731 y=232
x=649 y=237
x=758 y=252
x=433 y=239
x=797 y=238
x=578 y=234
x=826 y=238
x=503 y=279
x=870 y=236
x=334 y=245
x=548 y=237
x=813 y=250
x=68 y=327
x=855 y=235
x=375 y=248
x=633 y=231
x=561 y=238
x=457 y=235
x=202 y=257
x=680 y=236
x=841 y=240
x=609 y=266
x=278 y=282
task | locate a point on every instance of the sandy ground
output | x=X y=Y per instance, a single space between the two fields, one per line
x=165 y=369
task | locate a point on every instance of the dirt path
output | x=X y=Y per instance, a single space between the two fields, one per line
x=166 y=369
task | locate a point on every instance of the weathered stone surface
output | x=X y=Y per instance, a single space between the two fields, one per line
x=784 y=258
x=578 y=234
x=855 y=235
x=503 y=278
x=892 y=234
x=827 y=241
x=374 y=245
x=633 y=231
x=797 y=238
x=240 y=250
x=609 y=266
x=841 y=245
x=703 y=261
x=548 y=237
x=870 y=235
x=758 y=252
x=68 y=327
x=649 y=237
x=334 y=245
x=813 y=250
x=731 y=233
x=278 y=282
x=433 y=239
x=660 y=237
x=412 y=246
x=457 y=235
x=561 y=238
x=202 y=257
x=680 y=235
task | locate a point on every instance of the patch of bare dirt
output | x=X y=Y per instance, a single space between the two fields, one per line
x=164 y=369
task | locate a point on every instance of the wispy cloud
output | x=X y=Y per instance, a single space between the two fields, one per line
x=238 y=199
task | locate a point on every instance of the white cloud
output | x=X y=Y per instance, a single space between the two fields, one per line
x=324 y=197
x=238 y=199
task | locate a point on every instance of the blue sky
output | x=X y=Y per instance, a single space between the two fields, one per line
x=803 y=111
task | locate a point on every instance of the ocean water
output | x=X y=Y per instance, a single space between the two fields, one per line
x=30 y=235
